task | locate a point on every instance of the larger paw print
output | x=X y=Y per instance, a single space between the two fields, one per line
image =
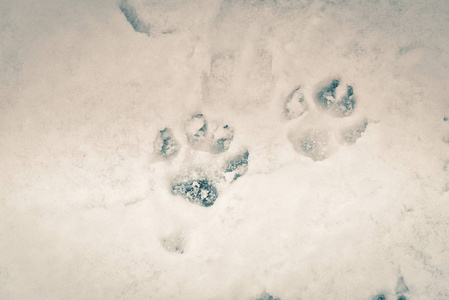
x=323 y=122
x=205 y=166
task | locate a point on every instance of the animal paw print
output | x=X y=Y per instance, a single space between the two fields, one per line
x=323 y=124
x=205 y=166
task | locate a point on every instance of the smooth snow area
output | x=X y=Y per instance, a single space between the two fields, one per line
x=86 y=210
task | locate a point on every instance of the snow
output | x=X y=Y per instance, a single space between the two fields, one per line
x=86 y=210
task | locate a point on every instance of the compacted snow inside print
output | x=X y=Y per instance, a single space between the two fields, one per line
x=224 y=149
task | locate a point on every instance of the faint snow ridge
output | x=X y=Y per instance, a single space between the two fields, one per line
x=131 y=16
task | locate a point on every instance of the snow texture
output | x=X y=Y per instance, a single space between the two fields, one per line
x=224 y=149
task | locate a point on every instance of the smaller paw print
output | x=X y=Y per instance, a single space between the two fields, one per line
x=174 y=242
x=204 y=167
x=324 y=123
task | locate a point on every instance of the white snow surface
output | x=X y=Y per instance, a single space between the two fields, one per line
x=84 y=205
